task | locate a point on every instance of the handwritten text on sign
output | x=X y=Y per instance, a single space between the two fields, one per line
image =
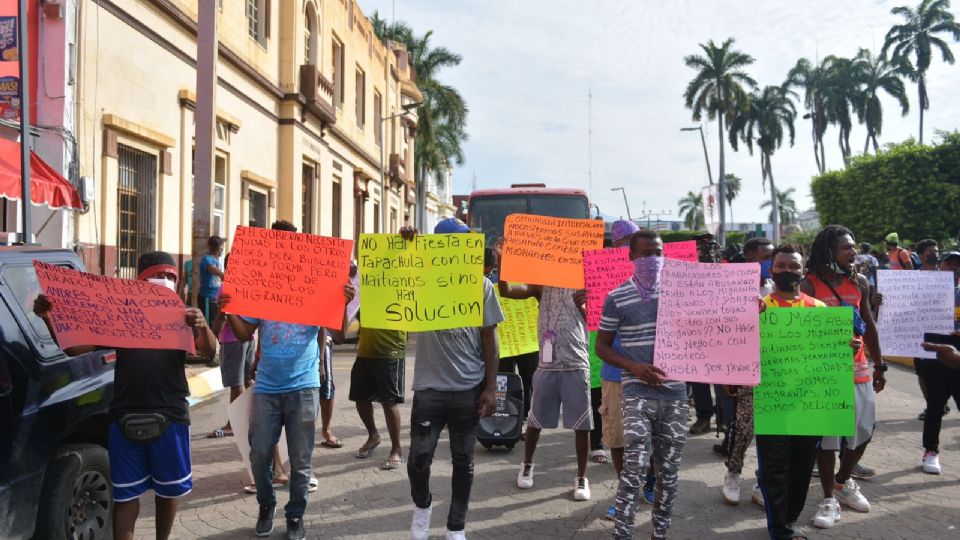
x=518 y=331
x=548 y=251
x=682 y=251
x=807 y=386
x=98 y=310
x=434 y=282
x=287 y=276
x=913 y=303
x=603 y=271
x=707 y=323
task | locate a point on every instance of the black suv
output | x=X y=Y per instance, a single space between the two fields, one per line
x=54 y=470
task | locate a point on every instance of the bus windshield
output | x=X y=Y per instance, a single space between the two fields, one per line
x=488 y=213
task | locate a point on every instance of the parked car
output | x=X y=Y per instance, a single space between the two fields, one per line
x=54 y=470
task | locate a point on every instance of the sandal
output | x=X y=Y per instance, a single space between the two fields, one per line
x=220 y=433
x=332 y=443
x=599 y=456
x=364 y=451
x=392 y=462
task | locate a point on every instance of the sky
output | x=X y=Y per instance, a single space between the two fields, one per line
x=529 y=65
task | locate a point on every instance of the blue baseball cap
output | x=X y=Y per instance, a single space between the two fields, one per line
x=450 y=225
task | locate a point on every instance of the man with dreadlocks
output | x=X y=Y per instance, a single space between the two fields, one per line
x=831 y=279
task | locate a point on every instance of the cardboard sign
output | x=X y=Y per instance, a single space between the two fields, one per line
x=807 y=374
x=603 y=271
x=89 y=309
x=518 y=331
x=681 y=251
x=434 y=282
x=548 y=251
x=913 y=303
x=238 y=413
x=288 y=277
x=707 y=329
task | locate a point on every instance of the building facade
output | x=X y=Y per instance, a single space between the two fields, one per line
x=302 y=89
x=438 y=198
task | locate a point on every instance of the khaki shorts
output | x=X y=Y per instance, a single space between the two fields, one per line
x=611 y=414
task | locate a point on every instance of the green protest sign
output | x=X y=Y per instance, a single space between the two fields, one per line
x=806 y=372
x=595 y=362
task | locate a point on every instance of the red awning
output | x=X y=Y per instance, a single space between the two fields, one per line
x=47 y=187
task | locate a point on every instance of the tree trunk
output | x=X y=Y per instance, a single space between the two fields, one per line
x=876 y=146
x=721 y=181
x=866 y=143
x=922 y=90
x=816 y=154
x=774 y=202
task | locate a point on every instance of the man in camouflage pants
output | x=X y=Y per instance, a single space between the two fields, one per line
x=654 y=409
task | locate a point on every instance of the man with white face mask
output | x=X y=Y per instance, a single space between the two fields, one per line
x=654 y=409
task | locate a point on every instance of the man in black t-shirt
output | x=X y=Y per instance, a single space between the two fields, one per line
x=149 y=381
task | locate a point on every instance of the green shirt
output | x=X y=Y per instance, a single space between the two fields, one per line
x=379 y=343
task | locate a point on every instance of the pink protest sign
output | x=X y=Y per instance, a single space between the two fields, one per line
x=708 y=325
x=682 y=251
x=603 y=271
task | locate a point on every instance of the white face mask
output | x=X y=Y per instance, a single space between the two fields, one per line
x=163 y=282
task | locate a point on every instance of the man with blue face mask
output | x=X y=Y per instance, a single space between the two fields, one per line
x=654 y=409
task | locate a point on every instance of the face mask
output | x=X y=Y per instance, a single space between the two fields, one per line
x=932 y=260
x=834 y=267
x=787 y=281
x=163 y=282
x=765 y=267
x=646 y=275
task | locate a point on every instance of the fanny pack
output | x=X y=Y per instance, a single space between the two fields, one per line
x=143 y=428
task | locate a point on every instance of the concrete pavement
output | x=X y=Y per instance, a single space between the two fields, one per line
x=358 y=500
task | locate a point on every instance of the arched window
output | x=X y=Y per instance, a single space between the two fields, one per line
x=311 y=33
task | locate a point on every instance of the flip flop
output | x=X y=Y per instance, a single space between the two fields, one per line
x=332 y=443
x=364 y=451
x=219 y=433
x=392 y=462
x=313 y=485
x=598 y=456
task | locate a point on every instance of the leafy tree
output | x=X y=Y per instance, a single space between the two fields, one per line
x=815 y=82
x=786 y=206
x=767 y=118
x=691 y=210
x=877 y=75
x=911 y=44
x=716 y=91
x=732 y=190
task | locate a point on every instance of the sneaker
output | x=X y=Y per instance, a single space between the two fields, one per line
x=648 y=491
x=731 y=488
x=525 y=477
x=863 y=472
x=757 y=496
x=849 y=495
x=931 y=463
x=456 y=535
x=700 y=427
x=295 y=529
x=581 y=490
x=265 y=520
x=828 y=514
x=611 y=512
x=420 y=527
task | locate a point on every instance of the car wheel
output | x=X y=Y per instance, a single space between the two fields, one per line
x=76 y=502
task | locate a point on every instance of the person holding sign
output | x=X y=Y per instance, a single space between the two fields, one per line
x=654 y=409
x=831 y=279
x=454 y=385
x=287 y=395
x=149 y=432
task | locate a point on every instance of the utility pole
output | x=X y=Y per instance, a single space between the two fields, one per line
x=205 y=122
x=25 y=196
x=590 y=143
x=625 y=203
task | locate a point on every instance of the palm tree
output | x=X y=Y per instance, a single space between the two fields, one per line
x=842 y=96
x=691 y=210
x=716 y=91
x=814 y=80
x=786 y=205
x=917 y=37
x=768 y=116
x=733 y=190
x=878 y=75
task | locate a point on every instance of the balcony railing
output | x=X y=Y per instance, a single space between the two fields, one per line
x=317 y=94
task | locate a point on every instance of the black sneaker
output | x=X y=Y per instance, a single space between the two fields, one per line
x=265 y=520
x=295 y=529
x=700 y=427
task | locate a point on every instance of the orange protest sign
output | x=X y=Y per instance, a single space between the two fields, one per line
x=548 y=251
x=287 y=276
x=98 y=310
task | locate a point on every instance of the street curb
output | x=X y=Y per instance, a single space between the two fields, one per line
x=902 y=360
x=204 y=385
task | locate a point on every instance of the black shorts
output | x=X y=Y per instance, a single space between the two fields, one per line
x=377 y=380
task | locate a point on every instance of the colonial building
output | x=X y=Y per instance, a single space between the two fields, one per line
x=303 y=89
x=438 y=200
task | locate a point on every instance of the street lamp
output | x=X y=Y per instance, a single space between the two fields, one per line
x=706 y=157
x=625 y=203
x=721 y=188
x=407 y=109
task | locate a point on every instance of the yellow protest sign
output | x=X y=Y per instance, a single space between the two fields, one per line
x=518 y=331
x=433 y=282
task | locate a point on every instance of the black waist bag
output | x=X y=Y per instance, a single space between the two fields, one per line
x=143 y=428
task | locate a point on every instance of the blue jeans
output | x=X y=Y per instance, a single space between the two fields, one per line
x=432 y=410
x=297 y=412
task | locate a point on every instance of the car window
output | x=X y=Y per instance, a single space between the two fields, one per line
x=22 y=281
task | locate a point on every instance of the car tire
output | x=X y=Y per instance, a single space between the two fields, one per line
x=77 y=499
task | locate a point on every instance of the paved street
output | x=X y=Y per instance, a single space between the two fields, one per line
x=358 y=500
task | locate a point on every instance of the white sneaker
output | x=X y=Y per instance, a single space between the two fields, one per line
x=456 y=535
x=851 y=497
x=525 y=477
x=931 y=463
x=828 y=514
x=420 y=527
x=731 y=488
x=757 y=496
x=581 y=490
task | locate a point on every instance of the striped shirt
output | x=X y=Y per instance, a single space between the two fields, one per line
x=636 y=321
